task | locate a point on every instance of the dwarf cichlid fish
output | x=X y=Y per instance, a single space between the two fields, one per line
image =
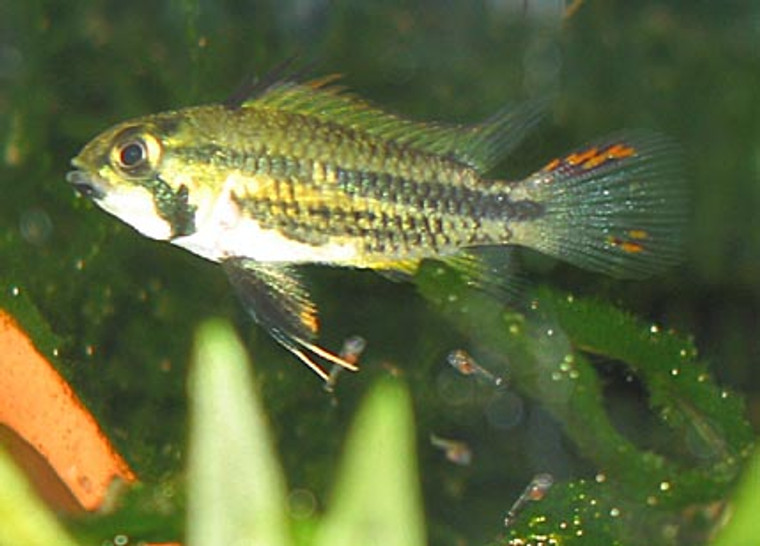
x=295 y=172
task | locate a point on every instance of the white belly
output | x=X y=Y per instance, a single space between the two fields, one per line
x=224 y=231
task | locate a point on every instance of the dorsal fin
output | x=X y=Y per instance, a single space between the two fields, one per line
x=254 y=86
x=485 y=144
x=480 y=146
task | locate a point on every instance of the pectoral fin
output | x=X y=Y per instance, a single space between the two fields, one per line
x=276 y=298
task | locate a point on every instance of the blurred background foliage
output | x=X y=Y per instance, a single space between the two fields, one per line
x=123 y=309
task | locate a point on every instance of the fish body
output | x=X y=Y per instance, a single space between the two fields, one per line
x=301 y=172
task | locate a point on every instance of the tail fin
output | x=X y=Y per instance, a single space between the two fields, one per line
x=617 y=206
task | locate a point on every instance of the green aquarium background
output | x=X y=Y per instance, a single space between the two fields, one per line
x=669 y=398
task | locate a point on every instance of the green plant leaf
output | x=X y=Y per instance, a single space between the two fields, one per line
x=545 y=350
x=24 y=518
x=236 y=492
x=742 y=527
x=377 y=498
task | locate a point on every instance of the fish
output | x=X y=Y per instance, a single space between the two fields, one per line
x=463 y=362
x=293 y=171
x=535 y=491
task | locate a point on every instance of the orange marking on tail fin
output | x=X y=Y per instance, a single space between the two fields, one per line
x=632 y=248
x=626 y=246
x=638 y=234
x=553 y=164
x=581 y=157
x=595 y=161
x=617 y=151
x=592 y=157
x=620 y=151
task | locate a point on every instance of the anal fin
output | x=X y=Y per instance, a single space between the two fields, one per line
x=489 y=268
x=397 y=271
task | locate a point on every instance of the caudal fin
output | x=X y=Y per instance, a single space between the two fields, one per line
x=616 y=206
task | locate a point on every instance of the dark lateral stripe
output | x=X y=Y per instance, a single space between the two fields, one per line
x=438 y=197
x=423 y=196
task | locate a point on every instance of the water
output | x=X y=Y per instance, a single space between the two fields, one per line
x=125 y=309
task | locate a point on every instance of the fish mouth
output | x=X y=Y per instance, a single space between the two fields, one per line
x=85 y=184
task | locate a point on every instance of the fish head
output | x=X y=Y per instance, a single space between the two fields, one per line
x=120 y=170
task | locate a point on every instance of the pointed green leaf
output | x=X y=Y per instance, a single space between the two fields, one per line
x=742 y=527
x=24 y=519
x=235 y=487
x=377 y=497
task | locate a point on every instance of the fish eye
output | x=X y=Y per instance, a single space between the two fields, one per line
x=132 y=153
x=136 y=153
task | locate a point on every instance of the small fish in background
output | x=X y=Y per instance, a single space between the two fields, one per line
x=352 y=349
x=456 y=451
x=535 y=491
x=461 y=361
x=291 y=172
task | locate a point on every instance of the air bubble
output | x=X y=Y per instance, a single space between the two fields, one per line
x=15 y=291
x=505 y=411
x=301 y=503
x=654 y=329
x=615 y=512
x=35 y=226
